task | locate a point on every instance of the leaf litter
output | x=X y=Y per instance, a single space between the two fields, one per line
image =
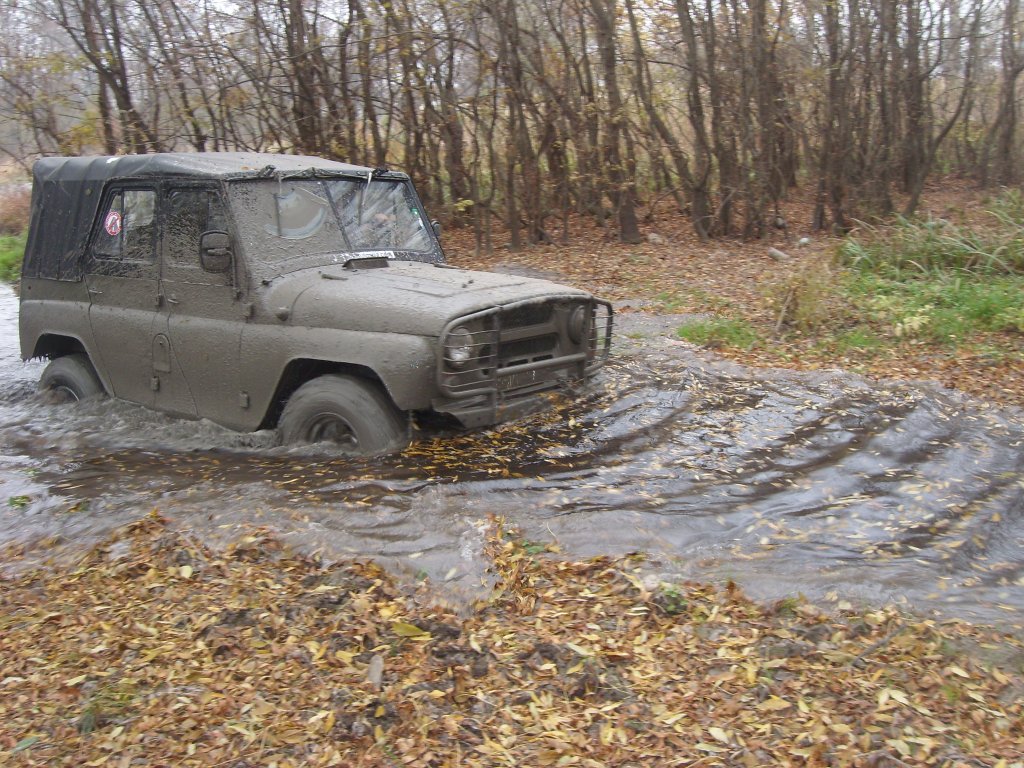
x=155 y=649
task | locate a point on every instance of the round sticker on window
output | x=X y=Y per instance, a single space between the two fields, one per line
x=112 y=223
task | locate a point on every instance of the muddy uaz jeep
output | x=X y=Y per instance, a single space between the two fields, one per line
x=261 y=290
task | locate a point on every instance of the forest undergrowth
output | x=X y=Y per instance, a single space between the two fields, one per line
x=936 y=297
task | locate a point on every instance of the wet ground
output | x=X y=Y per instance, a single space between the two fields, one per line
x=821 y=484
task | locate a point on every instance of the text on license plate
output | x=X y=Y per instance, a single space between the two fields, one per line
x=517 y=380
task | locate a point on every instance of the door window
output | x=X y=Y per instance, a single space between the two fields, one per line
x=190 y=212
x=126 y=230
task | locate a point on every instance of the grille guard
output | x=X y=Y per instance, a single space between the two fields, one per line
x=496 y=368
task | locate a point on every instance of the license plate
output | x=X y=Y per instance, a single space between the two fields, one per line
x=517 y=380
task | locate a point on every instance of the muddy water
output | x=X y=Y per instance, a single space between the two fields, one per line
x=824 y=484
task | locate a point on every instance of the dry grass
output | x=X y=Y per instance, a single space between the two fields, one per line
x=14 y=209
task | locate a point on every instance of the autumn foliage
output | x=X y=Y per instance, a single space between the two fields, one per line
x=156 y=650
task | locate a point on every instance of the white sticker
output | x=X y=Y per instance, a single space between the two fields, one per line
x=112 y=224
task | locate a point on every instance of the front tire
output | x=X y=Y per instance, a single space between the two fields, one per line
x=72 y=378
x=353 y=414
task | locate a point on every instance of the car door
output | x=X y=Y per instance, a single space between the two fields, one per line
x=122 y=280
x=203 y=309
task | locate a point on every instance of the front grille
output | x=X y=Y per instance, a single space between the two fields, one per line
x=528 y=350
x=527 y=314
x=523 y=348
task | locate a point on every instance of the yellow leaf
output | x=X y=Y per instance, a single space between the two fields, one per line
x=705 y=747
x=242 y=730
x=261 y=707
x=900 y=746
x=957 y=671
x=719 y=734
x=185 y=571
x=402 y=629
x=774 y=704
x=580 y=649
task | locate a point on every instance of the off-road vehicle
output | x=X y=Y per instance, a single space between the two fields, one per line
x=261 y=291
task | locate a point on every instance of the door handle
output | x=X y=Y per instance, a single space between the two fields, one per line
x=172 y=300
x=95 y=292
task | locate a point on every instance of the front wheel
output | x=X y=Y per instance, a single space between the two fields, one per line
x=353 y=414
x=71 y=378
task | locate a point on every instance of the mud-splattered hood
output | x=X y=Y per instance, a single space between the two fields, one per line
x=402 y=297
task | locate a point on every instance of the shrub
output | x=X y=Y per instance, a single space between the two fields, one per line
x=14 y=209
x=807 y=299
x=922 y=247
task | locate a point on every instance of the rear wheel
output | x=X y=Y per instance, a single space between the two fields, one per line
x=72 y=378
x=353 y=414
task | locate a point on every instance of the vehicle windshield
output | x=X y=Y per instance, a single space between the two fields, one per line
x=288 y=224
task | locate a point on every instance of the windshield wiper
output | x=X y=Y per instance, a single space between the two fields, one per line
x=362 y=190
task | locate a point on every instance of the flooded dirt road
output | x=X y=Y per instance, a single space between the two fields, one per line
x=822 y=484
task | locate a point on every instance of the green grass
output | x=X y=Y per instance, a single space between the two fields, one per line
x=859 y=338
x=926 y=281
x=719 y=332
x=12 y=248
x=942 y=308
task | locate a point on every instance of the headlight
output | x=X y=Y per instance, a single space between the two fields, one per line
x=458 y=347
x=578 y=323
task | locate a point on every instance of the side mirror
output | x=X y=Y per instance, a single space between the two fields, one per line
x=215 y=251
x=436 y=226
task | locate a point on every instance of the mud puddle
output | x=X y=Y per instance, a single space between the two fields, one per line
x=821 y=484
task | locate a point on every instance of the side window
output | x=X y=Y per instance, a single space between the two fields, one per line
x=126 y=228
x=190 y=212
